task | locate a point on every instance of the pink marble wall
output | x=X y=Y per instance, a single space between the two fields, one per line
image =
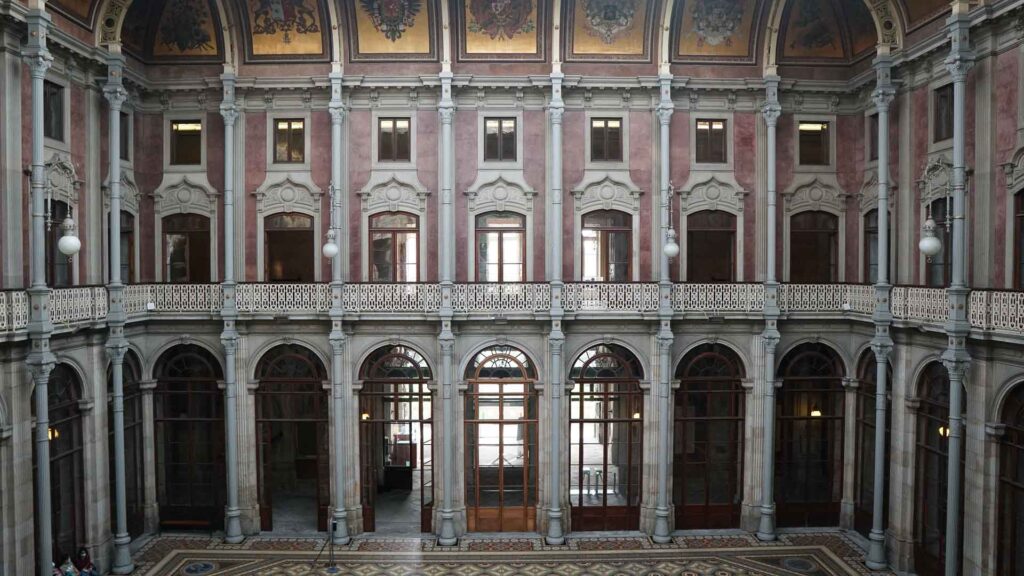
x=26 y=160
x=744 y=133
x=679 y=173
x=428 y=140
x=1006 y=98
x=573 y=165
x=319 y=155
x=534 y=170
x=359 y=136
x=255 y=174
x=148 y=163
x=785 y=162
x=466 y=130
x=641 y=163
x=215 y=175
x=850 y=174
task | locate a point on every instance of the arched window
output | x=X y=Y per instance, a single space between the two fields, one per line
x=396 y=441
x=58 y=266
x=863 y=511
x=186 y=248
x=1018 y=240
x=133 y=446
x=938 y=268
x=606 y=424
x=289 y=246
x=291 y=425
x=711 y=246
x=188 y=414
x=1010 y=527
x=500 y=247
x=809 y=450
x=932 y=466
x=501 y=441
x=67 y=470
x=707 y=459
x=607 y=246
x=395 y=248
x=814 y=248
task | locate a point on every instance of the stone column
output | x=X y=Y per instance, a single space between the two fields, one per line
x=446 y=339
x=556 y=338
x=882 y=343
x=770 y=337
x=117 y=346
x=956 y=358
x=229 y=312
x=40 y=359
x=150 y=508
x=665 y=337
x=337 y=336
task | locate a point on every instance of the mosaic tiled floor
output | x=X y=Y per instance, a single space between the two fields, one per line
x=817 y=554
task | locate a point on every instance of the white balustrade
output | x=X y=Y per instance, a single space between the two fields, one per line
x=603 y=296
x=997 y=310
x=812 y=297
x=285 y=297
x=861 y=298
x=898 y=302
x=5 y=311
x=718 y=297
x=501 y=298
x=136 y=298
x=391 y=297
x=185 y=297
x=927 y=304
x=19 y=310
x=69 y=305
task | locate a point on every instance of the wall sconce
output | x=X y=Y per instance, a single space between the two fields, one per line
x=815 y=413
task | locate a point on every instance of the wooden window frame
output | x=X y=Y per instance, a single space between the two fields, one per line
x=393 y=233
x=506 y=152
x=691 y=230
x=392 y=142
x=175 y=154
x=188 y=233
x=521 y=231
x=942 y=113
x=705 y=139
x=604 y=234
x=290 y=134
x=601 y=133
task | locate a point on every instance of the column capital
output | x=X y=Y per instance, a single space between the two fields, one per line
x=447 y=112
x=39 y=61
x=882 y=348
x=771 y=112
x=957 y=367
x=665 y=112
x=338 y=112
x=883 y=96
x=115 y=94
x=229 y=112
x=557 y=112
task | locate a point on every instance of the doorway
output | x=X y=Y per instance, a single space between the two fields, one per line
x=396 y=443
x=291 y=427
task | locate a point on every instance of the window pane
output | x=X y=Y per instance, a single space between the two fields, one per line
x=408 y=249
x=176 y=250
x=392 y=220
x=126 y=141
x=710 y=141
x=186 y=142
x=591 y=256
x=614 y=140
x=943 y=104
x=814 y=146
x=597 y=140
x=618 y=257
x=491 y=140
x=382 y=260
x=873 y=137
x=402 y=145
x=508 y=139
x=53 y=111
x=385 y=140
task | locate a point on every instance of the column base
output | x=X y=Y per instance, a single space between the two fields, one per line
x=661 y=532
x=876 y=552
x=233 y=527
x=555 y=535
x=340 y=520
x=122 y=562
x=766 y=530
x=447 y=536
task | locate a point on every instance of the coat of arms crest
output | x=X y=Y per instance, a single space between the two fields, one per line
x=715 y=21
x=609 y=18
x=392 y=17
x=501 y=18
x=285 y=16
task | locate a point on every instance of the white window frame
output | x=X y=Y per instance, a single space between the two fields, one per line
x=197 y=115
x=272 y=164
x=612 y=113
x=832 y=137
x=501 y=113
x=388 y=165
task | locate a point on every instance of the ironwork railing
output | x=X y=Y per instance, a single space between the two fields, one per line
x=606 y=296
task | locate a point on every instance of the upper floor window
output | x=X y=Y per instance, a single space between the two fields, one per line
x=607 y=239
x=186 y=142
x=942 y=128
x=710 y=246
x=126 y=136
x=186 y=242
x=393 y=140
x=290 y=140
x=871 y=248
x=394 y=242
x=711 y=142
x=606 y=139
x=53 y=111
x=814 y=248
x=873 y=137
x=58 y=266
x=501 y=247
x=938 y=267
x=500 y=139
x=814 y=143
x=289 y=247
x=127 y=246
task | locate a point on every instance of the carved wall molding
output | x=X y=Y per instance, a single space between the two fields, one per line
x=62 y=178
x=130 y=195
x=287 y=192
x=500 y=191
x=185 y=193
x=607 y=190
x=711 y=191
x=867 y=198
x=815 y=192
x=393 y=192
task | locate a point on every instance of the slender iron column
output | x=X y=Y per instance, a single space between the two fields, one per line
x=665 y=337
x=556 y=338
x=882 y=342
x=956 y=357
x=770 y=337
x=40 y=359
x=117 y=346
x=229 y=312
x=337 y=336
x=447 y=338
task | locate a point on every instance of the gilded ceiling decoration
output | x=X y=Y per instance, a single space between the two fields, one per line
x=716 y=29
x=502 y=29
x=281 y=30
x=609 y=29
x=173 y=31
x=392 y=29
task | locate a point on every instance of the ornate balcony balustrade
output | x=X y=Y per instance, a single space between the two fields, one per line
x=74 y=305
x=13 y=310
x=502 y=298
x=858 y=298
x=372 y=298
x=608 y=297
x=919 y=304
x=715 y=298
x=997 y=310
x=277 y=298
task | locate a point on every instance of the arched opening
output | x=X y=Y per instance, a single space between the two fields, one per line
x=289 y=244
x=67 y=469
x=501 y=441
x=186 y=248
x=809 y=437
x=932 y=468
x=711 y=246
x=707 y=450
x=133 y=446
x=814 y=248
x=293 y=476
x=1010 y=524
x=863 y=508
x=188 y=419
x=607 y=246
x=396 y=441
x=606 y=408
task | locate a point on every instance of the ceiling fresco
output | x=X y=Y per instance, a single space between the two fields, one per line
x=615 y=30
x=173 y=31
x=282 y=30
x=502 y=29
x=392 y=29
x=825 y=31
x=716 y=29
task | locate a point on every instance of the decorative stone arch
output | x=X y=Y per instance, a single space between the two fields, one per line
x=112 y=14
x=745 y=362
x=258 y=355
x=885 y=14
x=607 y=190
x=720 y=192
x=357 y=367
x=504 y=192
x=847 y=363
x=288 y=192
x=815 y=193
x=479 y=347
x=393 y=192
x=995 y=409
x=645 y=364
x=153 y=361
x=85 y=393
x=185 y=194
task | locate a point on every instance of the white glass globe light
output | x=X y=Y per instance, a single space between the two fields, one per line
x=69 y=244
x=929 y=245
x=671 y=247
x=330 y=249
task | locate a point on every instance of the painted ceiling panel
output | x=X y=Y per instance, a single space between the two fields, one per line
x=721 y=30
x=173 y=31
x=811 y=30
x=612 y=30
x=392 y=30
x=286 y=30
x=501 y=30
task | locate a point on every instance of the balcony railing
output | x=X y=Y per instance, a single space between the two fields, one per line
x=859 y=298
x=13 y=310
x=283 y=297
x=73 y=305
x=919 y=304
x=997 y=310
x=608 y=297
x=713 y=298
x=371 y=298
x=501 y=298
